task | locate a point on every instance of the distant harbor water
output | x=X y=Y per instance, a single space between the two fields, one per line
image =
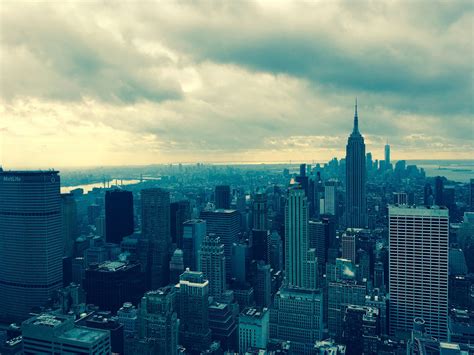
x=89 y=187
x=455 y=170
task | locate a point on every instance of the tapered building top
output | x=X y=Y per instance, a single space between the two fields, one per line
x=355 y=131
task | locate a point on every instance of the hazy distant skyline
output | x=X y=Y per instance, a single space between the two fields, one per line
x=111 y=83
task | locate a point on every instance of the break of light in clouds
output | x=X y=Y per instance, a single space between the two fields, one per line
x=110 y=83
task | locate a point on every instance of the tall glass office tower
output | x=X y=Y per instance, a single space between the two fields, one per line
x=30 y=240
x=418 y=268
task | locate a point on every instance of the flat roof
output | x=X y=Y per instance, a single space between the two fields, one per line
x=112 y=266
x=252 y=312
x=84 y=334
x=431 y=211
x=220 y=210
x=47 y=320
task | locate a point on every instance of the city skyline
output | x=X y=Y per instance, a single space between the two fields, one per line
x=113 y=85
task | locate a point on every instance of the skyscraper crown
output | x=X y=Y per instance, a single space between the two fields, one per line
x=356 y=120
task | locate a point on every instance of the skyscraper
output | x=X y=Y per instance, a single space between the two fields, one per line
x=296 y=238
x=260 y=212
x=158 y=322
x=194 y=232
x=176 y=266
x=118 y=215
x=112 y=283
x=471 y=185
x=330 y=193
x=342 y=293
x=194 y=330
x=418 y=268
x=261 y=245
x=69 y=223
x=349 y=246
x=263 y=285
x=212 y=265
x=387 y=156
x=31 y=248
x=318 y=239
x=297 y=310
x=179 y=213
x=222 y=196
x=253 y=329
x=356 y=204
x=439 y=191
x=156 y=228
x=297 y=316
x=226 y=225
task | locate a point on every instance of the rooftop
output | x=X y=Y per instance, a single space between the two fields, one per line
x=251 y=312
x=112 y=266
x=428 y=211
x=84 y=334
x=47 y=320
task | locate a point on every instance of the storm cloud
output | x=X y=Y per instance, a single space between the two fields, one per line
x=100 y=83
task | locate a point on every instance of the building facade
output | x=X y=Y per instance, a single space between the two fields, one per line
x=156 y=229
x=31 y=246
x=356 y=204
x=418 y=268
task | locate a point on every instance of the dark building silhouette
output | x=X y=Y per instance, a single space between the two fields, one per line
x=260 y=212
x=31 y=247
x=361 y=330
x=356 y=204
x=112 y=283
x=261 y=245
x=439 y=191
x=471 y=185
x=194 y=331
x=302 y=179
x=69 y=223
x=158 y=323
x=118 y=215
x=318 y=239
x=428 y=195
x=223 y=324
x=262 y=284
x=104 y=321
x=194 y=232
x=179 y=213
x=222 y=196
x=156 y=229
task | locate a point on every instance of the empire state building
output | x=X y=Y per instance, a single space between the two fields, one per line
x=356 y=204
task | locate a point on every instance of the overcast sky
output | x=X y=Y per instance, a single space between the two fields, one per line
x=121 y=82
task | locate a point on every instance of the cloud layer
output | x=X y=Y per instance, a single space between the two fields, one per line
x=108 y=83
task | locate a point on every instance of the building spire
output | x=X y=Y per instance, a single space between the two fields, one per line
x=356 y=119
